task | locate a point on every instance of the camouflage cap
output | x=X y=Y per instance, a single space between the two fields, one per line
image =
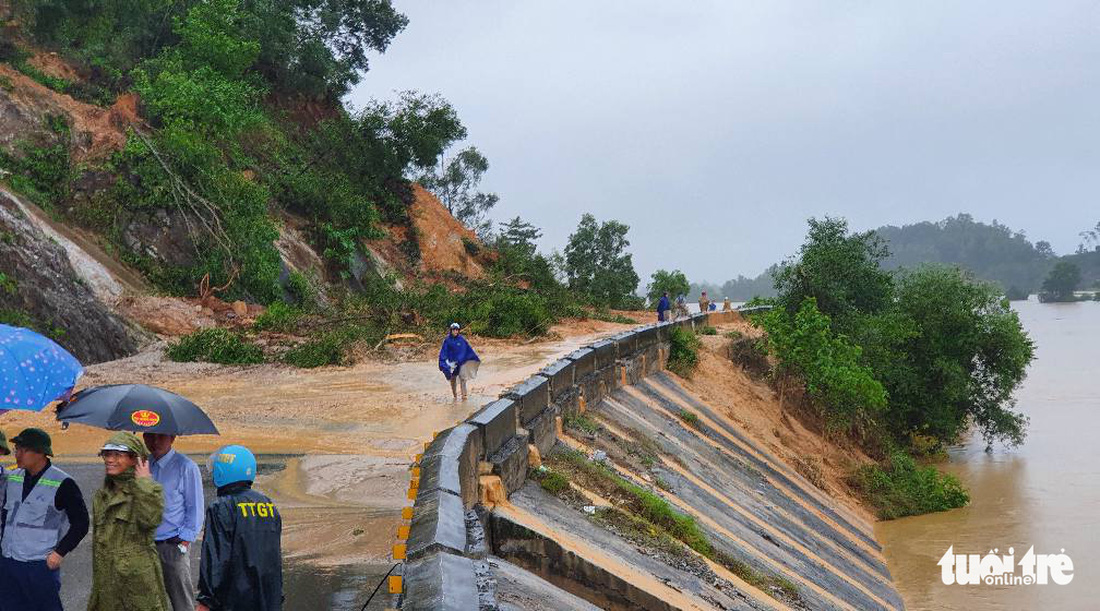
x=125 y=441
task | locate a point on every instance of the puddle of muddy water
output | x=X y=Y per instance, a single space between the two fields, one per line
x=343 y=588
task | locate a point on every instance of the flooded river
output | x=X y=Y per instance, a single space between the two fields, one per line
x=1045 y=493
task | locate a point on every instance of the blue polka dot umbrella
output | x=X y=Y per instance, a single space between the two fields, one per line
x=34 y=370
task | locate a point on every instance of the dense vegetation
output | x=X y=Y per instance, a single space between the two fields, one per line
x=243 y=121
x=1061 y=283
x=992 y=252
x=889 y=357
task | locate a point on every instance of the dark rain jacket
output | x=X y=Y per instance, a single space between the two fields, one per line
x=241 y=568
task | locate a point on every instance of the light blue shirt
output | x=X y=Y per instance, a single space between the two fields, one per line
x=183 y=499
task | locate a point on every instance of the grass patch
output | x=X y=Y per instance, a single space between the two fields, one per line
x=708 y=331
x=773 y=585
x=635 y=499
x=643 y=517
x=689 y=418
x=215 y=346
x=555 y=483
x=898 y=487
x=735 y=334
x=604 y=314
x=583 y=423
x=683 y=355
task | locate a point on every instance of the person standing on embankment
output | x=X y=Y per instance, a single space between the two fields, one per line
x=458 y=361
x=663 y=307
x=704 y=303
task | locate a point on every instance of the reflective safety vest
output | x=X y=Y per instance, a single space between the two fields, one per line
x=33 y=526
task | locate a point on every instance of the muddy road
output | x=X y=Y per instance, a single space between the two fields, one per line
x=337 y=443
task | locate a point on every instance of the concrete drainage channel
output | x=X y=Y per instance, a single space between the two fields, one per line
x=486 y=458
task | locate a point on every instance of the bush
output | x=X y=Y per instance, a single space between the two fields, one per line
x=215 y=346
x=505 y=313
x=843 y=390
x=899 y=487
x=708 y=331
x=683 y=354
x=278 y=317
x=42 y=173
x=329 y=349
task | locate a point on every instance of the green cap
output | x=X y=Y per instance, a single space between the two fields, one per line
x=124 y=441
x=34 y=439
x=4 y=449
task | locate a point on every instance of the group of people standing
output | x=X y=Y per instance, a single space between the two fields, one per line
x=705 y=305
x=144 y=520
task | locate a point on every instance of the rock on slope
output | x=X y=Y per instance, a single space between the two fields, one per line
x=39 y=280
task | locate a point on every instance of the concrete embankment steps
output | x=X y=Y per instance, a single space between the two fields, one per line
x=485 y=460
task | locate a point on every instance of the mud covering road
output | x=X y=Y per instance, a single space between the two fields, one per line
x=338 y=443
x=306 y=584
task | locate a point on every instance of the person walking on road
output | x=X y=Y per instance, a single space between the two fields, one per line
x=241 y=567
x=182 y=520
x=126 y=512
x=457 y=360
x=663 y=307
x=44 y=518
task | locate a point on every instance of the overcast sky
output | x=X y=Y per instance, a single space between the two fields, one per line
x=715 y=128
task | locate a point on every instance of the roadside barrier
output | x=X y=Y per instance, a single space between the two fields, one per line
x=478 y=462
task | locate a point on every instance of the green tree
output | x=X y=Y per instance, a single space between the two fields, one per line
x=597 y=264
x=455 y=184
x=839 y=270
x=842 y=389
x=674 y=283
x=520 y=235
x=1062 y=281
x=960 y=355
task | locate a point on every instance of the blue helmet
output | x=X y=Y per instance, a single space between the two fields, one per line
x=232 y=464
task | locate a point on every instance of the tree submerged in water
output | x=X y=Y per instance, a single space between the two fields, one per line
x=1061 y=283
x=947 y=349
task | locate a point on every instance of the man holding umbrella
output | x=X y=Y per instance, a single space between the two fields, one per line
x=183 y=513
x=44 y=518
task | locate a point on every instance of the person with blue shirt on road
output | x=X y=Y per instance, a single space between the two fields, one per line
x=183 y=516
x=457 y=360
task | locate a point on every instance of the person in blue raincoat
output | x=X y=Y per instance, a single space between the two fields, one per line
x=458 y=361
x=662 y=308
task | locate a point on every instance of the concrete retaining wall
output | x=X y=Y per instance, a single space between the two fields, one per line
x=441 y=556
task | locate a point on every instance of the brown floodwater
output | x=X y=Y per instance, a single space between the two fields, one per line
x=1045 y=493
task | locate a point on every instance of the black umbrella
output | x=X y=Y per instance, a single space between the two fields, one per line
x=138 y=408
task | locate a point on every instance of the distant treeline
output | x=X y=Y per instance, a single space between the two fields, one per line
x=992 y=252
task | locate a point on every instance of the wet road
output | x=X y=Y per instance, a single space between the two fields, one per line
x=307 y=587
